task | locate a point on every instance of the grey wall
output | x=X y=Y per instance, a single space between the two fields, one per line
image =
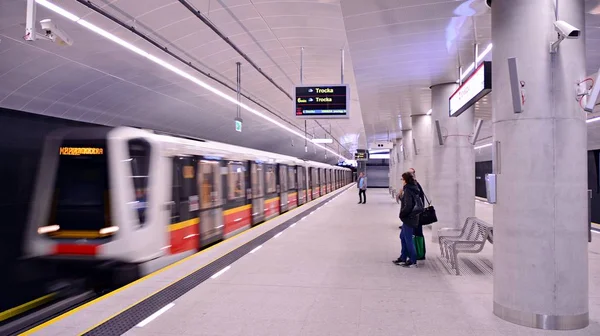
x=377 y=173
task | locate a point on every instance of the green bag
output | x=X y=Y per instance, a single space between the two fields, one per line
x=419 y=242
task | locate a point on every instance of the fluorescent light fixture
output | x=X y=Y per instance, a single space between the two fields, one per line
x=322 y=141
x=110 y=229
x=155 y=315
x=256 y=249
x=174 y=69
x=479 y=58
x=48 y=229
x=591 y=120
x=220 y=272
x=483 y=146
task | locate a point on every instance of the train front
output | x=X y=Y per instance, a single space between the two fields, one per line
x=77 y=223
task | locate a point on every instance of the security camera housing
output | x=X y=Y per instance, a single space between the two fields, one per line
x=565 y=31
x=55 y=34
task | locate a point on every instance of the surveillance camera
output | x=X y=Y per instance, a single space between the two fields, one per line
x=54 y=33
x=566 y=30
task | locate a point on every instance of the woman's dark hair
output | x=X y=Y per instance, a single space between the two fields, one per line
x=408 y=178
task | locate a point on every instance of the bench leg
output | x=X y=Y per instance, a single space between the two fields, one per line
x=455 y=257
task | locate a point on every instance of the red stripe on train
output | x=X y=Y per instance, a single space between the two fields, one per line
x=76 y=249
x=237 y=220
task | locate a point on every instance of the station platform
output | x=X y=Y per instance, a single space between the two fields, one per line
x=329 y=272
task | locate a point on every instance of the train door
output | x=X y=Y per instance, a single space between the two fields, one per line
x=309 y=185
x=257 y=177
x=315 y=184
x=271 y=193
x=184 y=224
x=292 y=187
x=301 y=180
x=237 y=213
x=211 y=202
x=283 y=188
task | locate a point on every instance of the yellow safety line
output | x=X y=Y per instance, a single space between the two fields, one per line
x=25 y=307
x=106 y=296
x=184 y=224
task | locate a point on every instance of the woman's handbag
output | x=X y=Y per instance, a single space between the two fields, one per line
x=428 y=215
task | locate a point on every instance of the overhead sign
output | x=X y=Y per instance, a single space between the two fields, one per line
x=361 y=155
x=238 y=124
x=474 y=88
x=322 y=101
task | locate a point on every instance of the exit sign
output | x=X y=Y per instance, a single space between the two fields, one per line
x=238 y=124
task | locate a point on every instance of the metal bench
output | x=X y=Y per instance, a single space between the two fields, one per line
x=470 y=238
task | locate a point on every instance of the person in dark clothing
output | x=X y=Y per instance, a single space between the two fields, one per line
x=409 y=215
x=419 y=230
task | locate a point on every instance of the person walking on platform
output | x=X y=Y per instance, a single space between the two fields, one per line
x=419 y=238
x=412 y=206
x=362 y=188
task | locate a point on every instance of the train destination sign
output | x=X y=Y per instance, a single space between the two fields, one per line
x=81 y=151
x=322 y=101
x=474 y=88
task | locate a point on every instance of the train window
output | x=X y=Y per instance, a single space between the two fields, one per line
x=210 y=184
x=291 y=175
x=139 y=158
x=81 y=196
x=237 y=182
x=283 y=178
x=271 y=180
x=258 y=180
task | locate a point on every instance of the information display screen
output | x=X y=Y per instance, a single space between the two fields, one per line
x=81 y=151
x=361 y=156
x=322 y=101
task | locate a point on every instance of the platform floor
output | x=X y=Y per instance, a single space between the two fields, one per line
x=332 y=275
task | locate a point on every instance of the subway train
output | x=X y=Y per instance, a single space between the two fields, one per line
x=114 y=204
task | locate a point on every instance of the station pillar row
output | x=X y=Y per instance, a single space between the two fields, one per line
x=540 y=219
x=452 y=187
x=407 y=155
x=421 y=146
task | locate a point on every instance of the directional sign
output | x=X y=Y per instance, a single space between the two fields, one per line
x=238 y=124
x=474 y=88
x=322 y=101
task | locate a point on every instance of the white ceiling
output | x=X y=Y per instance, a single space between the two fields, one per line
x=395 y=50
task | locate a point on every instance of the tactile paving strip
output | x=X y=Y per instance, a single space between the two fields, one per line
x=129 y=318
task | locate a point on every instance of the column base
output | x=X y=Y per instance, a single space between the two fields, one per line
x=540 y=321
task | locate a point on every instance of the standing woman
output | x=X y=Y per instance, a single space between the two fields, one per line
x=409 y=215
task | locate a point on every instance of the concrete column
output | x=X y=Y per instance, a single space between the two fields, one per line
x=452 y=190
x=540 y=229
x=399 y=157
x=407 y=154
x=423 y=138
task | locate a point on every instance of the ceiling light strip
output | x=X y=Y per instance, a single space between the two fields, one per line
x=174 y=69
